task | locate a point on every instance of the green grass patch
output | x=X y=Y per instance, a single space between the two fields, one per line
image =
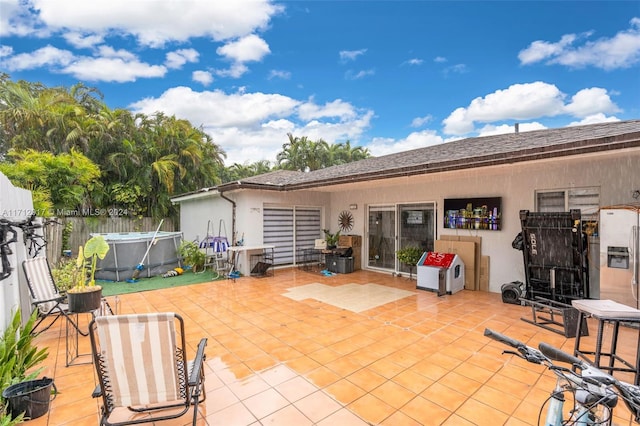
x=111 y=288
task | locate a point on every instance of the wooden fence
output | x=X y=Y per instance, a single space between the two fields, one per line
x=82 y=228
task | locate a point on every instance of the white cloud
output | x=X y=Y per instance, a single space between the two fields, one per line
x=351 y=55
x=16 y=19
x=439 y=59
x=178 y=58
x=591 y=101
x=246 y=49
x=253 y=126
x=620 y=51
x=501 y=129
x=284 y=75
x=414 y=61
x=594 y=119
x=80 y=40
x=518 y=102
x=109 y=64
x=45 y=56
x=337 y=108
x=235 y=71
x=525 y=102
x=112 y=69
x=421 y=121
x=110 y=52
x=152 y=22
x=540 y=50
x=217 y=109
x=352 y=75
x=5 y=51
x=203 y=77
x=384 y=146
x=455 y=69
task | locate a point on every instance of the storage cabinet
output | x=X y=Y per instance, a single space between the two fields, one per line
x=339 y=264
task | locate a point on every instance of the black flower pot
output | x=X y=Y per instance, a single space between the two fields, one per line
x=31 y=398
x=87 y=300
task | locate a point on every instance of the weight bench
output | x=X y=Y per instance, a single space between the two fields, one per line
x=561 y=319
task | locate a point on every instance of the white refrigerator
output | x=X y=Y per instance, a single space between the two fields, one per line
x=619 y=257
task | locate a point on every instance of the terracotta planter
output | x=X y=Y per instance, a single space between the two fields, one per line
x=85 y=301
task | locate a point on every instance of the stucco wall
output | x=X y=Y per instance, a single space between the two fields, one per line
x=202 y=213
x=616 y=176
x=249 y=218
x=195 y=213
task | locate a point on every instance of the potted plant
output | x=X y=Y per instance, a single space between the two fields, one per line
x=64 y=275
x=191 y=255
x=331 y=239
x=85 y=295
x=409 y=256
x=19 y=359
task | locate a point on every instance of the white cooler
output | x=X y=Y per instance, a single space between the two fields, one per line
x=440 y=272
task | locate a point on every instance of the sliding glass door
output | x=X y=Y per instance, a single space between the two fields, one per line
x=392 y=227
x=382 y=237
x=417 y=228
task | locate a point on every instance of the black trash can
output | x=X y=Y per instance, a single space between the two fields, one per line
x=31 y=398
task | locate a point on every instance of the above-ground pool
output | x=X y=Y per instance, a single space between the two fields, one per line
x=126 y=250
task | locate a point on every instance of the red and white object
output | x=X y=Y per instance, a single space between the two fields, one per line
x=440 y=272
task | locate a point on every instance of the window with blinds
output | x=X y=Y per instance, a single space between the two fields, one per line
x=290 y=230
x=587 y=200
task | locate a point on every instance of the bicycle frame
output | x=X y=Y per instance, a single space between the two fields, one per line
x=8 y=235
x=583 y=413
x=593 y=394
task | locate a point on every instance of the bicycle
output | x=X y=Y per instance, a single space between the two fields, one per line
x=595 y=393
x=8 y=235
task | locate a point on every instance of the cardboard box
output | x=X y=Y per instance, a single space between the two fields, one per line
x=349 y=241
x=477 y=255
x=467 y=252
x=484 y=273
x=355 y=242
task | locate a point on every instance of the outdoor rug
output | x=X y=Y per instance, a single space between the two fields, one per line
x=354 y=297
x=111 y=288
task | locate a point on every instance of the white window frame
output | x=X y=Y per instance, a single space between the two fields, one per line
x=585 y=199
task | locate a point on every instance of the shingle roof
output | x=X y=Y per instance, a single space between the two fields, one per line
x=460 y=154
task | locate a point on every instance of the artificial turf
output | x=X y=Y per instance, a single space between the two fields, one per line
x=111 y=288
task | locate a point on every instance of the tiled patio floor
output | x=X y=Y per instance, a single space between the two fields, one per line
x=281 y=360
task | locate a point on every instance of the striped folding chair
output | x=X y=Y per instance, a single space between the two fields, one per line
x=44 y=293
x=142 y=369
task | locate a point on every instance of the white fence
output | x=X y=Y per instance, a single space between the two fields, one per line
x=15 y=204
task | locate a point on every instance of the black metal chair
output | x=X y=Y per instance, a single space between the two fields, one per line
x=143 y=373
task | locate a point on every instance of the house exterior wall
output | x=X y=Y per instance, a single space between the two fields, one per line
x=249 y=218
x=199 y=213
x=616 y=175
x=196 y=212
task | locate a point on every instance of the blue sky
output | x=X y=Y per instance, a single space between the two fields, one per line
x=386 y=75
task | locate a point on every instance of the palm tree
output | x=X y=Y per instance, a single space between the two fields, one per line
x=29 y=116
x=306 y=155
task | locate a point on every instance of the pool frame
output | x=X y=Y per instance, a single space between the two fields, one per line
x=126 y=250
